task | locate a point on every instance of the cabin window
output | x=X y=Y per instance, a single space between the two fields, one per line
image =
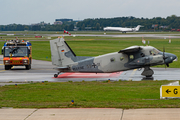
x=131 y=57
x=142 y=54
x=121 y=58
x=112 y=59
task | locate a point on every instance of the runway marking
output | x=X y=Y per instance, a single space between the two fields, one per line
x=2 y=70
x=132 y=74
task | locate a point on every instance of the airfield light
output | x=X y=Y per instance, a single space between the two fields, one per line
x=15 y=85
x=72 y=102
x=42 y=82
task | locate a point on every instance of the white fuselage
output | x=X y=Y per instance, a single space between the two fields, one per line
x=122 y=29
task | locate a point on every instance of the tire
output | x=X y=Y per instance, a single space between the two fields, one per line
x=7 y=67
x=55 y=75
x=28 y=67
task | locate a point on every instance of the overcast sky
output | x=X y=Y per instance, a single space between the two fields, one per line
x=35 y=11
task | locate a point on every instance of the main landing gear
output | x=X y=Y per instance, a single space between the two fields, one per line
x=147 y=72
x=56 y=75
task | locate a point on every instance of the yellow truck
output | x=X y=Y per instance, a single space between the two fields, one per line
x=17 y=53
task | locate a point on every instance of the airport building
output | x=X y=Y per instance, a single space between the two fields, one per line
x=61 y=21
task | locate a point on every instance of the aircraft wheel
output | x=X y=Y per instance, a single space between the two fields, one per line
x=55 y=75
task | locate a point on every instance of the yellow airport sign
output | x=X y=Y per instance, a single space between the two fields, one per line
x=170 y=91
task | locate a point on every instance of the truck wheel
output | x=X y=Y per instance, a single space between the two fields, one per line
x=28 y=67
x=7 y=67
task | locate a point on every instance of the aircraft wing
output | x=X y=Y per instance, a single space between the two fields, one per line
x=130 y=49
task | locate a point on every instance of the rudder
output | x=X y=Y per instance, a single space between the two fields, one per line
x=61 y=53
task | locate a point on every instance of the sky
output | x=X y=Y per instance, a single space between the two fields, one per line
x=35 y=11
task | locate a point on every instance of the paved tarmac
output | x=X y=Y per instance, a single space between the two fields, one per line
x=43 y=71
x=90 y=114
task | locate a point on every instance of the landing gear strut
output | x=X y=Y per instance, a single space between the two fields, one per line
x=147 y=72
x=56 y=75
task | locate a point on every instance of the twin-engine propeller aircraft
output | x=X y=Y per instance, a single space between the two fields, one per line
x=122 y=29
x=130 y=58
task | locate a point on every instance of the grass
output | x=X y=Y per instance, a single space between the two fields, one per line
x=119 y=94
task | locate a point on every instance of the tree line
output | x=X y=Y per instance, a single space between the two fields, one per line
x=156 y=23
x=48 y=27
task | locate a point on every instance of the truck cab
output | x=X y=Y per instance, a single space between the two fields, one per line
x=17 y=53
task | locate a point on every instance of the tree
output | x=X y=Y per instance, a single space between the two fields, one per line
x=97 y=26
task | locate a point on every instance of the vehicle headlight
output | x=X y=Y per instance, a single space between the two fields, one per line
x=6 y=61
x=25 y=61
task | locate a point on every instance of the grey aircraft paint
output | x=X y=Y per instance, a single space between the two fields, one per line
x=130 y=58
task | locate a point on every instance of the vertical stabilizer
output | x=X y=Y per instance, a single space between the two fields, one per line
x=137 y=28
x=61 y=53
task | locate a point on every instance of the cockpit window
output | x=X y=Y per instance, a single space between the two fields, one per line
x=154 y=51
x=142 y=54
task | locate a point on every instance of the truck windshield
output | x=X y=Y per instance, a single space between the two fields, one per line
x=16 y=51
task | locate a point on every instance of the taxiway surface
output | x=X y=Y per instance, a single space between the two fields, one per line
x=43 y=71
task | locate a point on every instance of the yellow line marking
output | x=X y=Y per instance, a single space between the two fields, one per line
x=132 y=74
x=2 y=70
x=1 y=64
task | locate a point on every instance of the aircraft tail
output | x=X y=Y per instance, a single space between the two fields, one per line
x=61 y=53
x=137 y=28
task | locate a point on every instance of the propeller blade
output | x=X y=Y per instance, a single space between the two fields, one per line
x=163 y=53
x=164 y=56
x=167 y=65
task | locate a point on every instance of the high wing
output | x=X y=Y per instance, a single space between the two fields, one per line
x=130 y=49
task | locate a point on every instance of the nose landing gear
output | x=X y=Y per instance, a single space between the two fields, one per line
x=56 y=75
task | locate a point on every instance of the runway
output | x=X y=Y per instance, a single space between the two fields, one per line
x=43 y=71
x=138 y=34
x=110 y=34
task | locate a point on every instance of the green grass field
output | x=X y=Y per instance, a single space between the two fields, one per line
x=119 y=94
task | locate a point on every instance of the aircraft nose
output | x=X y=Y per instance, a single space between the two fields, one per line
x=169 y=58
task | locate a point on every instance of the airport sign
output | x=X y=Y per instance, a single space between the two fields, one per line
x=170 y=91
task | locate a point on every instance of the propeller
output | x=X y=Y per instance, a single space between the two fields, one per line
x=163 y=53
x=164 y=57
x=167 y=65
